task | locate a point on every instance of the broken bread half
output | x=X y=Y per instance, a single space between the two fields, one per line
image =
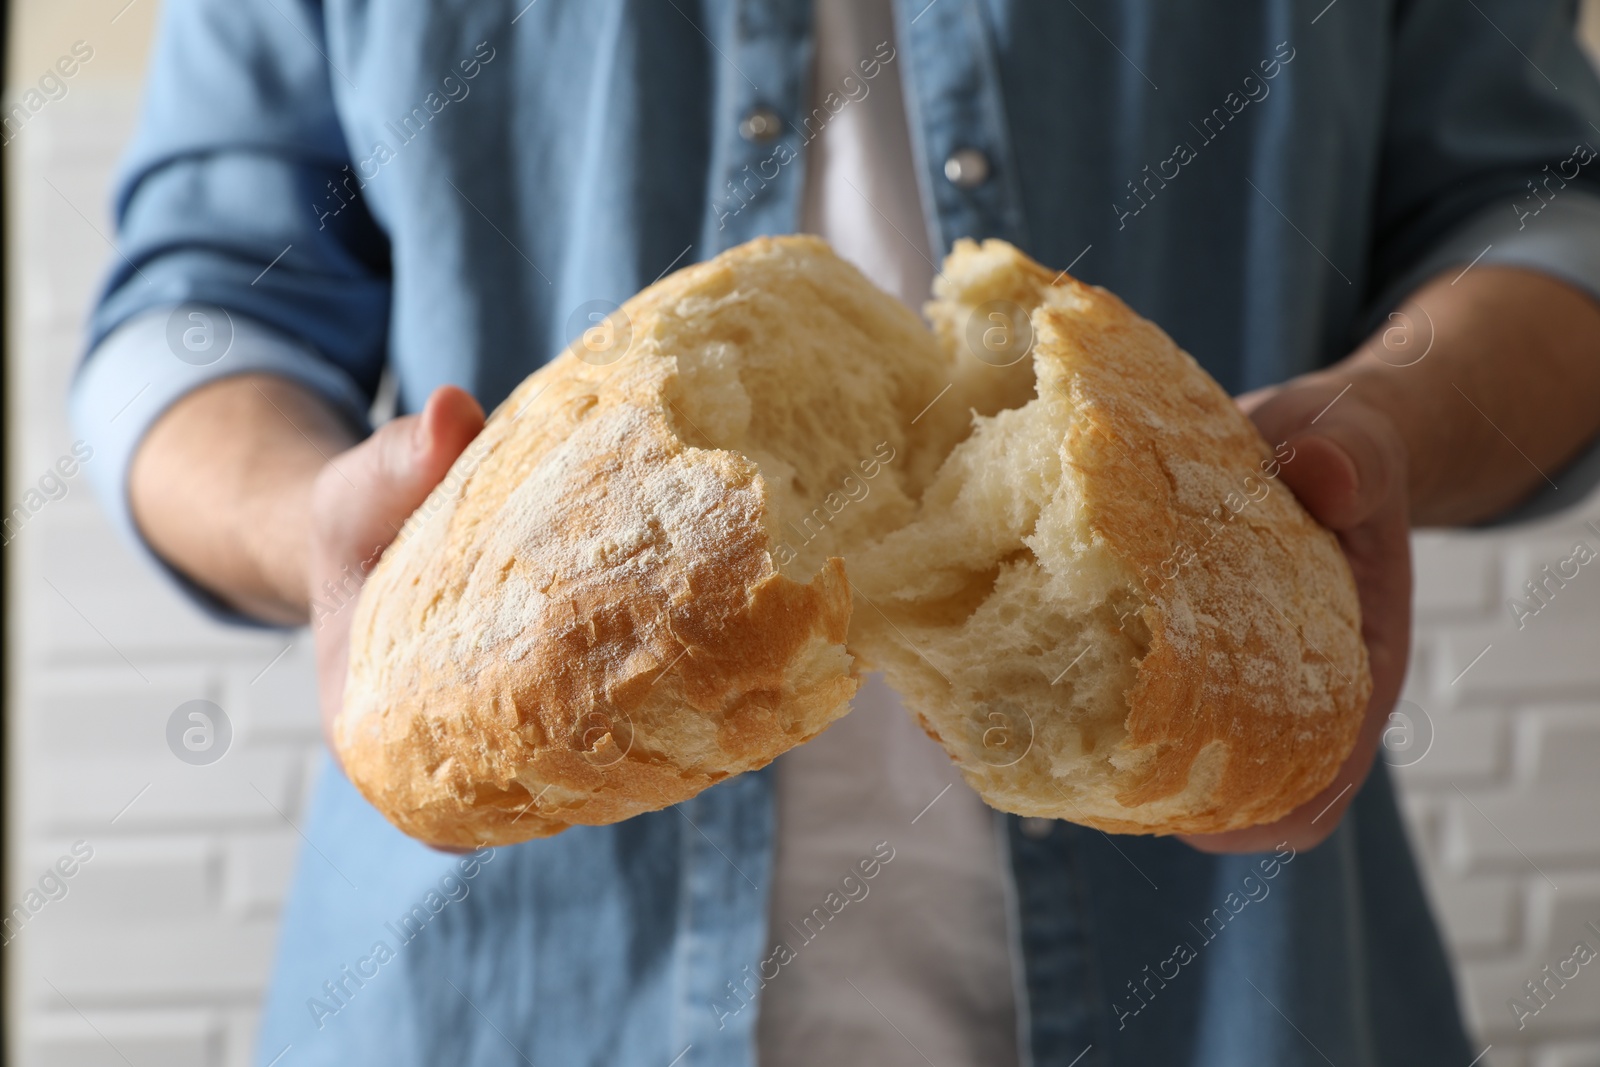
x=587 y=619
x=1108 y=608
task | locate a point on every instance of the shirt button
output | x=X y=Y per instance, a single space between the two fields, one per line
x=1037 y=829
x=762 y=124
x=967 y=168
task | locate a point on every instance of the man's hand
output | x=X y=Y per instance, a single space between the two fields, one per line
x=251 y=487
x=1463 y=402
x=1350 y=472
x=359 y=501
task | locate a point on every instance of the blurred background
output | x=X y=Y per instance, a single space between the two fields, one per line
x=155 y=949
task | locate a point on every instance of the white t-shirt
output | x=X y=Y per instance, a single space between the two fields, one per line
x=912 y=965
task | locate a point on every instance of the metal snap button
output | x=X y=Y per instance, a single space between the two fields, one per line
x=967 y=168
x=761 y=124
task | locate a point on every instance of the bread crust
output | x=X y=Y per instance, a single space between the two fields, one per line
x=584 y=621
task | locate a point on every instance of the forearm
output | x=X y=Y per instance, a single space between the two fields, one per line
x=1508 y=392
x=221 y=489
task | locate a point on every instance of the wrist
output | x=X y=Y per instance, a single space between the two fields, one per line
x=277 y=515
x=220 y=488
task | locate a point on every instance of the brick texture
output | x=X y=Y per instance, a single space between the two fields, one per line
x=159 y=952
x=1502 y=808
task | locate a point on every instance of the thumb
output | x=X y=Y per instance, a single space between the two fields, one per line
x=1344 y=462
x=359 y=501
x=413 y=453
x=369 y=492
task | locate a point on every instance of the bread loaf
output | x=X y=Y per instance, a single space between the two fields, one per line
x=661 y=566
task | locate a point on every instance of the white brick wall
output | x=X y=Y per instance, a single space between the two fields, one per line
x=1506 y=806
x=159 y=951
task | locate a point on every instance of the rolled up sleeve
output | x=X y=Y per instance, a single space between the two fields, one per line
x=1483 y=97
x=1493 y=104
x=224 y=265
x=1563 y=243
x=134 y=377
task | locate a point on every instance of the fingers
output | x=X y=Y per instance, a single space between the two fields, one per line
x=1348 y=462
x=1248 y=402
x=1253 y=839
x=374 y=487
x=359 y=503
x=413 y=452
x=1314 y=821
x=363 y=496
x=1325 y=478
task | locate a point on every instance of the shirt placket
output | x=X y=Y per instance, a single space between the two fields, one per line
x=763 y=61
x=725 y=856
x=1064 y=1011
x=959 y=135
x=762 y=54
x=961 y=143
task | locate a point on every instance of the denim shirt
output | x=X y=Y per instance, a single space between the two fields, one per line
x=443 y=188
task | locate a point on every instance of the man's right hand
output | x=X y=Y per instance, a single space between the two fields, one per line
x=359 y=500
x=254 y=487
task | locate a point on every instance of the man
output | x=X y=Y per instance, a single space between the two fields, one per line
x=319 y=192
